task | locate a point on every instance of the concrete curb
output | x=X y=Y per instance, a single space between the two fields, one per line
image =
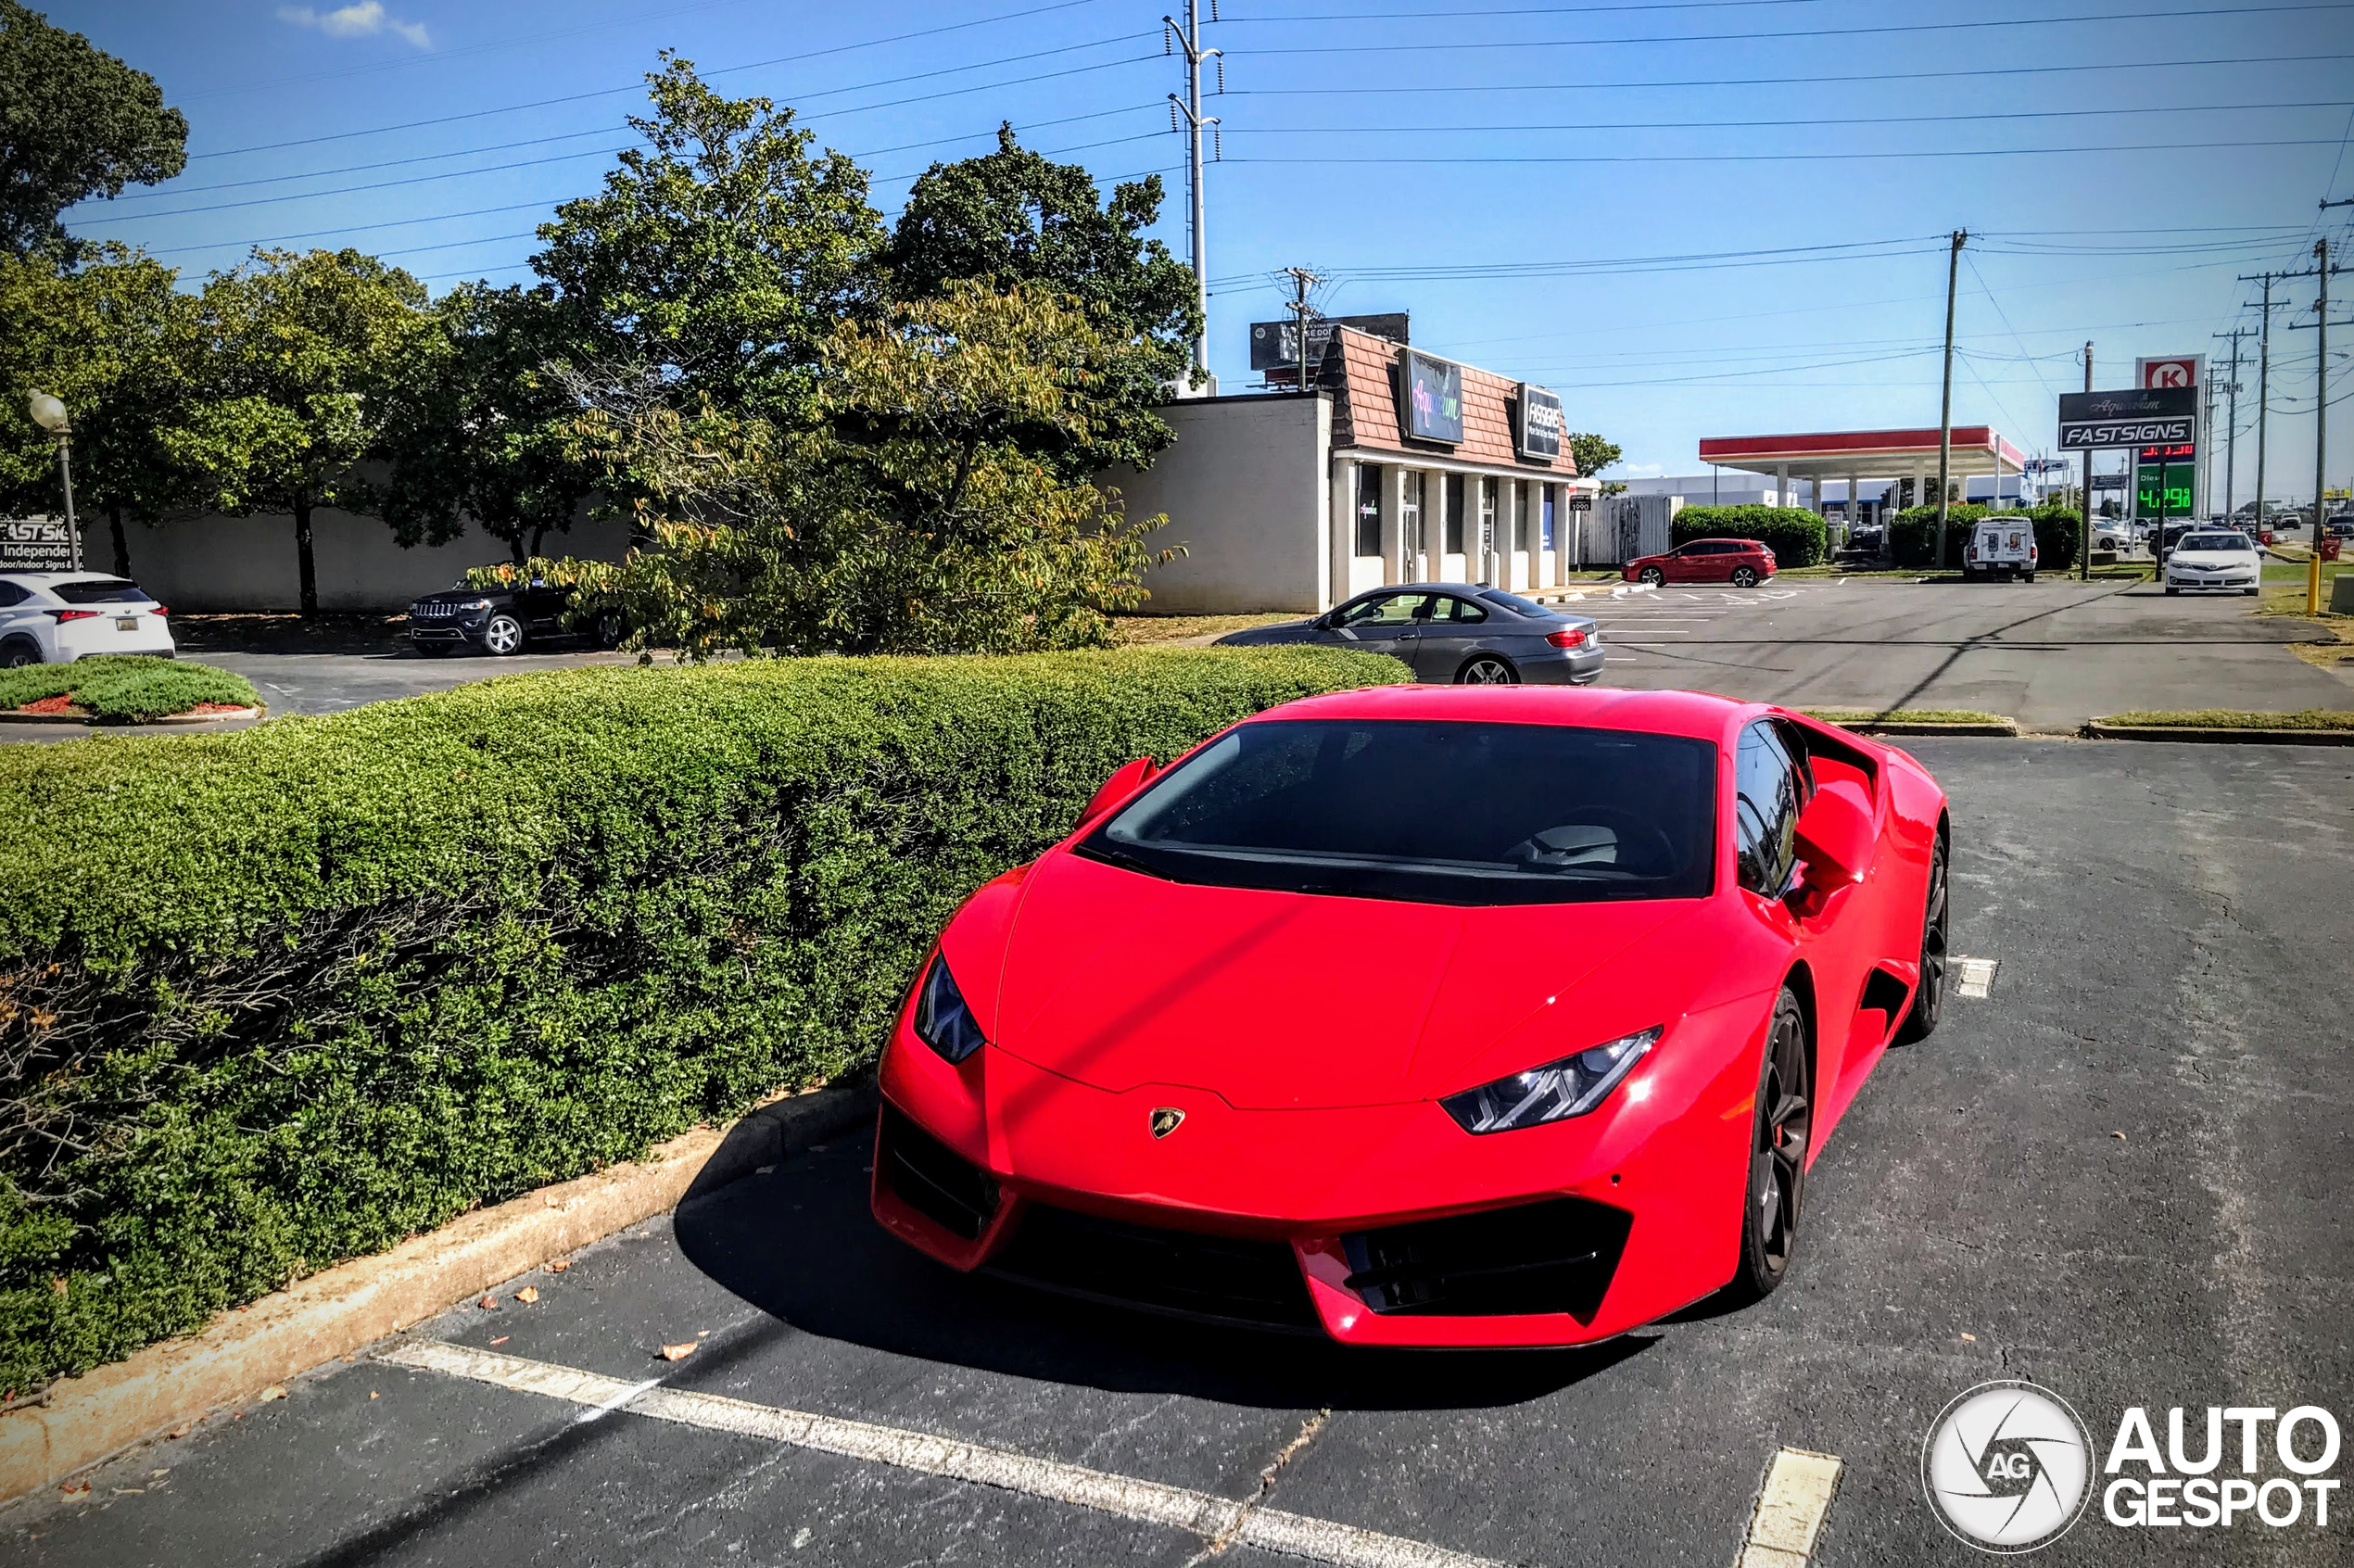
x=2005 y=728
x=2096 y=730
x=87 y=1419
x=132 y=724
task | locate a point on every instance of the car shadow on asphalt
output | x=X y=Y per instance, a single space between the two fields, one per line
x=799 y=1243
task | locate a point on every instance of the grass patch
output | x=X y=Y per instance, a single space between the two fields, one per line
x=1137 y=630
x=1904 y=715
x=2237 y=718
x=126 y=688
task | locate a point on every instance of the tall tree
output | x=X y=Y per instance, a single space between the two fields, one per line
x=297 y=358
x=75 y=122
x=489 y=435
x=1592 y=454
x=719 y=256
x=105 y=337
x=1013 y=217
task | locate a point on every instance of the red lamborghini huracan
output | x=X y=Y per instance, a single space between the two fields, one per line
x=1419 y=1016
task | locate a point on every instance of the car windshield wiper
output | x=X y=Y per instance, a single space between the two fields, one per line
x=1121 y=858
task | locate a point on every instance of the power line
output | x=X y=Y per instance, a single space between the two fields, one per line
x=1794 y=158
x=1393 y=128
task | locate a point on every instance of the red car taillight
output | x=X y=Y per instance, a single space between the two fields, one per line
x=1568 y=636
x=161 y=610
x=64 y=615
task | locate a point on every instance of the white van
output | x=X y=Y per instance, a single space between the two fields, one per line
x=2001 y=544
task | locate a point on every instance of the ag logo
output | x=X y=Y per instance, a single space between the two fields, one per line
x=2007 y=1467
x=1165 y=1120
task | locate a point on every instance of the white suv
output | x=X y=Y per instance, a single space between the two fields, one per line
x=57 y=617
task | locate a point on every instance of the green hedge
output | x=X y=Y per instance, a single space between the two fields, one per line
x=1796 y=535
x=1913 y=533
x=123 y=687
x=276 y=999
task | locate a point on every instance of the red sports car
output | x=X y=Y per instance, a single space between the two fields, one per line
x=1425 y=1016
x=1743 y=563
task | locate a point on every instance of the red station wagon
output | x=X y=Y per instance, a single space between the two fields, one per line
x=1743 y=563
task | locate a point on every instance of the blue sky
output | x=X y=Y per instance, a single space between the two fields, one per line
x=1713 y=218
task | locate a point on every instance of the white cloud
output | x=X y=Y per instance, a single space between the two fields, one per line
x=1644 y=470
x=364 y=19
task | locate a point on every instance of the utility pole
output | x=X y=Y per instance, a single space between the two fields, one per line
x=2231 y=428
x=2321 y=414
x=2084 y=522
x=1946 y=402
x=1189 y=37
x=1302 y=280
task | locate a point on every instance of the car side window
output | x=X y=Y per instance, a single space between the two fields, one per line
x=1462 y=611
x=11 y=595
x=1388 y=609
x=1768 y=787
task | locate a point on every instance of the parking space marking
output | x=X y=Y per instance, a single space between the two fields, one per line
x=1790 y=1507
x=1978 y=975
x=1149 y=1502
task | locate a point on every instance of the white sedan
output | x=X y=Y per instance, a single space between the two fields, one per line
x=2215 y=558
x=57 y=617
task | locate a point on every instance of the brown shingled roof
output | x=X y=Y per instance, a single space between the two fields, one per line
x=1357 y=370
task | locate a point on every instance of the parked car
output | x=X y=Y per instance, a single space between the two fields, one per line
x=500 y=620
x=1867 y=536
x=57 y=617
x=1743 y=563
x=2342 y=525
x=2215 y=558
x=2004 y=547
x=1454 y=633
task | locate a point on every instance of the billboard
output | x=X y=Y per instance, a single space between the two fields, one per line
x=1537 y=422
x=35 y=544
x=1431 y=407
x=1275 y=344
x=2133 y=417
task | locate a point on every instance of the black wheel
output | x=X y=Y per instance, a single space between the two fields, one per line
x=2027 y=576
x=1782 y=1130
x=609 y=631
x=2172 y=589
x=1652 y=575
x=1929 y=996
x=1745 y=577
x=17 y=653
x=503 y=635
x=1487 y=670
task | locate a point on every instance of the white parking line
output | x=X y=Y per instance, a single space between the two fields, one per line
x=1790 y=1507
x=1977 y=975
x=1149 y=1502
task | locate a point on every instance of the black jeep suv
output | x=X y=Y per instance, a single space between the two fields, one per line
x=500 y=620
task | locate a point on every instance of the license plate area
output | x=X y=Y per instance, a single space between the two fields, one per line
x=126 y=623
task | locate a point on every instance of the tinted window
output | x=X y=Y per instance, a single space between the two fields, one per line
x=100 y=590
x=1458 y=610
x=1768 y=789
x=1454 y=488
x=11 y=593
x=2216 y=541
x=1513 y=602
x=1432 y=812
x=1384 y=609
x=1368 y=508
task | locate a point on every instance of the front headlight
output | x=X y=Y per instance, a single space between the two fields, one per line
x=476 y=604
x=943 y=1021
x=1559 y=1089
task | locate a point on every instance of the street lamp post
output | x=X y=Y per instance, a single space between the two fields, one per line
x=50 y=414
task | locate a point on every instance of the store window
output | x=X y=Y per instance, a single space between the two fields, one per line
x=1369 y=509
x=1548 y=525
x=1454 y=487
x=1409 y=515
x=1487 y=514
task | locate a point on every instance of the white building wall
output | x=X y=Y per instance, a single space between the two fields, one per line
x=1247 y=487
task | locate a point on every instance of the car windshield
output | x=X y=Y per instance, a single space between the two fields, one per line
x=2216 y=541
x=1430 y=812
x=100 y=590
x=1513 y=602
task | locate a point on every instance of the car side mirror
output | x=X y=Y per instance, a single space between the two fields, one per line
x=1130 y=778
x=1835 y=838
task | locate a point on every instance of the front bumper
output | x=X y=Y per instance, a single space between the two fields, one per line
x=2240 y=581
x=446 y=632
x=1383 y=1225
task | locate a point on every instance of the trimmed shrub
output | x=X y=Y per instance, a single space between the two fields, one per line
x=1796 y=535
x=1912 y=535
x=276 y=999
x=125 y=688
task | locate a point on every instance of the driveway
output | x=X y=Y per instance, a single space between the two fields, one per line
x=2120 y=1174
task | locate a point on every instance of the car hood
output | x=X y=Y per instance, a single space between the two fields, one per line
x=462 y=596
x=1264 y=637
x=1288 y=1001
x=2214 y=558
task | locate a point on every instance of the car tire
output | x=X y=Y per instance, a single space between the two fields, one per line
x=1487 y=669
x=2172 y=589
x=2251 y=592
x=1937 y=925
x=503 y=635
x=1652 y=575
x=610 y=631
x=1745 y=577
x=18 y=651
x=1774 y=1178
x=2027 y=576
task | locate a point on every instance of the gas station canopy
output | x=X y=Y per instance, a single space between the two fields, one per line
x=1865 y=454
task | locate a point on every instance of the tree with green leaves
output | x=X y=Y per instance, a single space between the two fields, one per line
x=1592 y=454
x=75 y=122
x=108 y=339
x=296 y=360
x=1013 y=217
x=489 y=435
x=719 y=256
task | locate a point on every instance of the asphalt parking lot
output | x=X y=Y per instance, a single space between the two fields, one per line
x=2120 y=1174
x=2050 y=654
